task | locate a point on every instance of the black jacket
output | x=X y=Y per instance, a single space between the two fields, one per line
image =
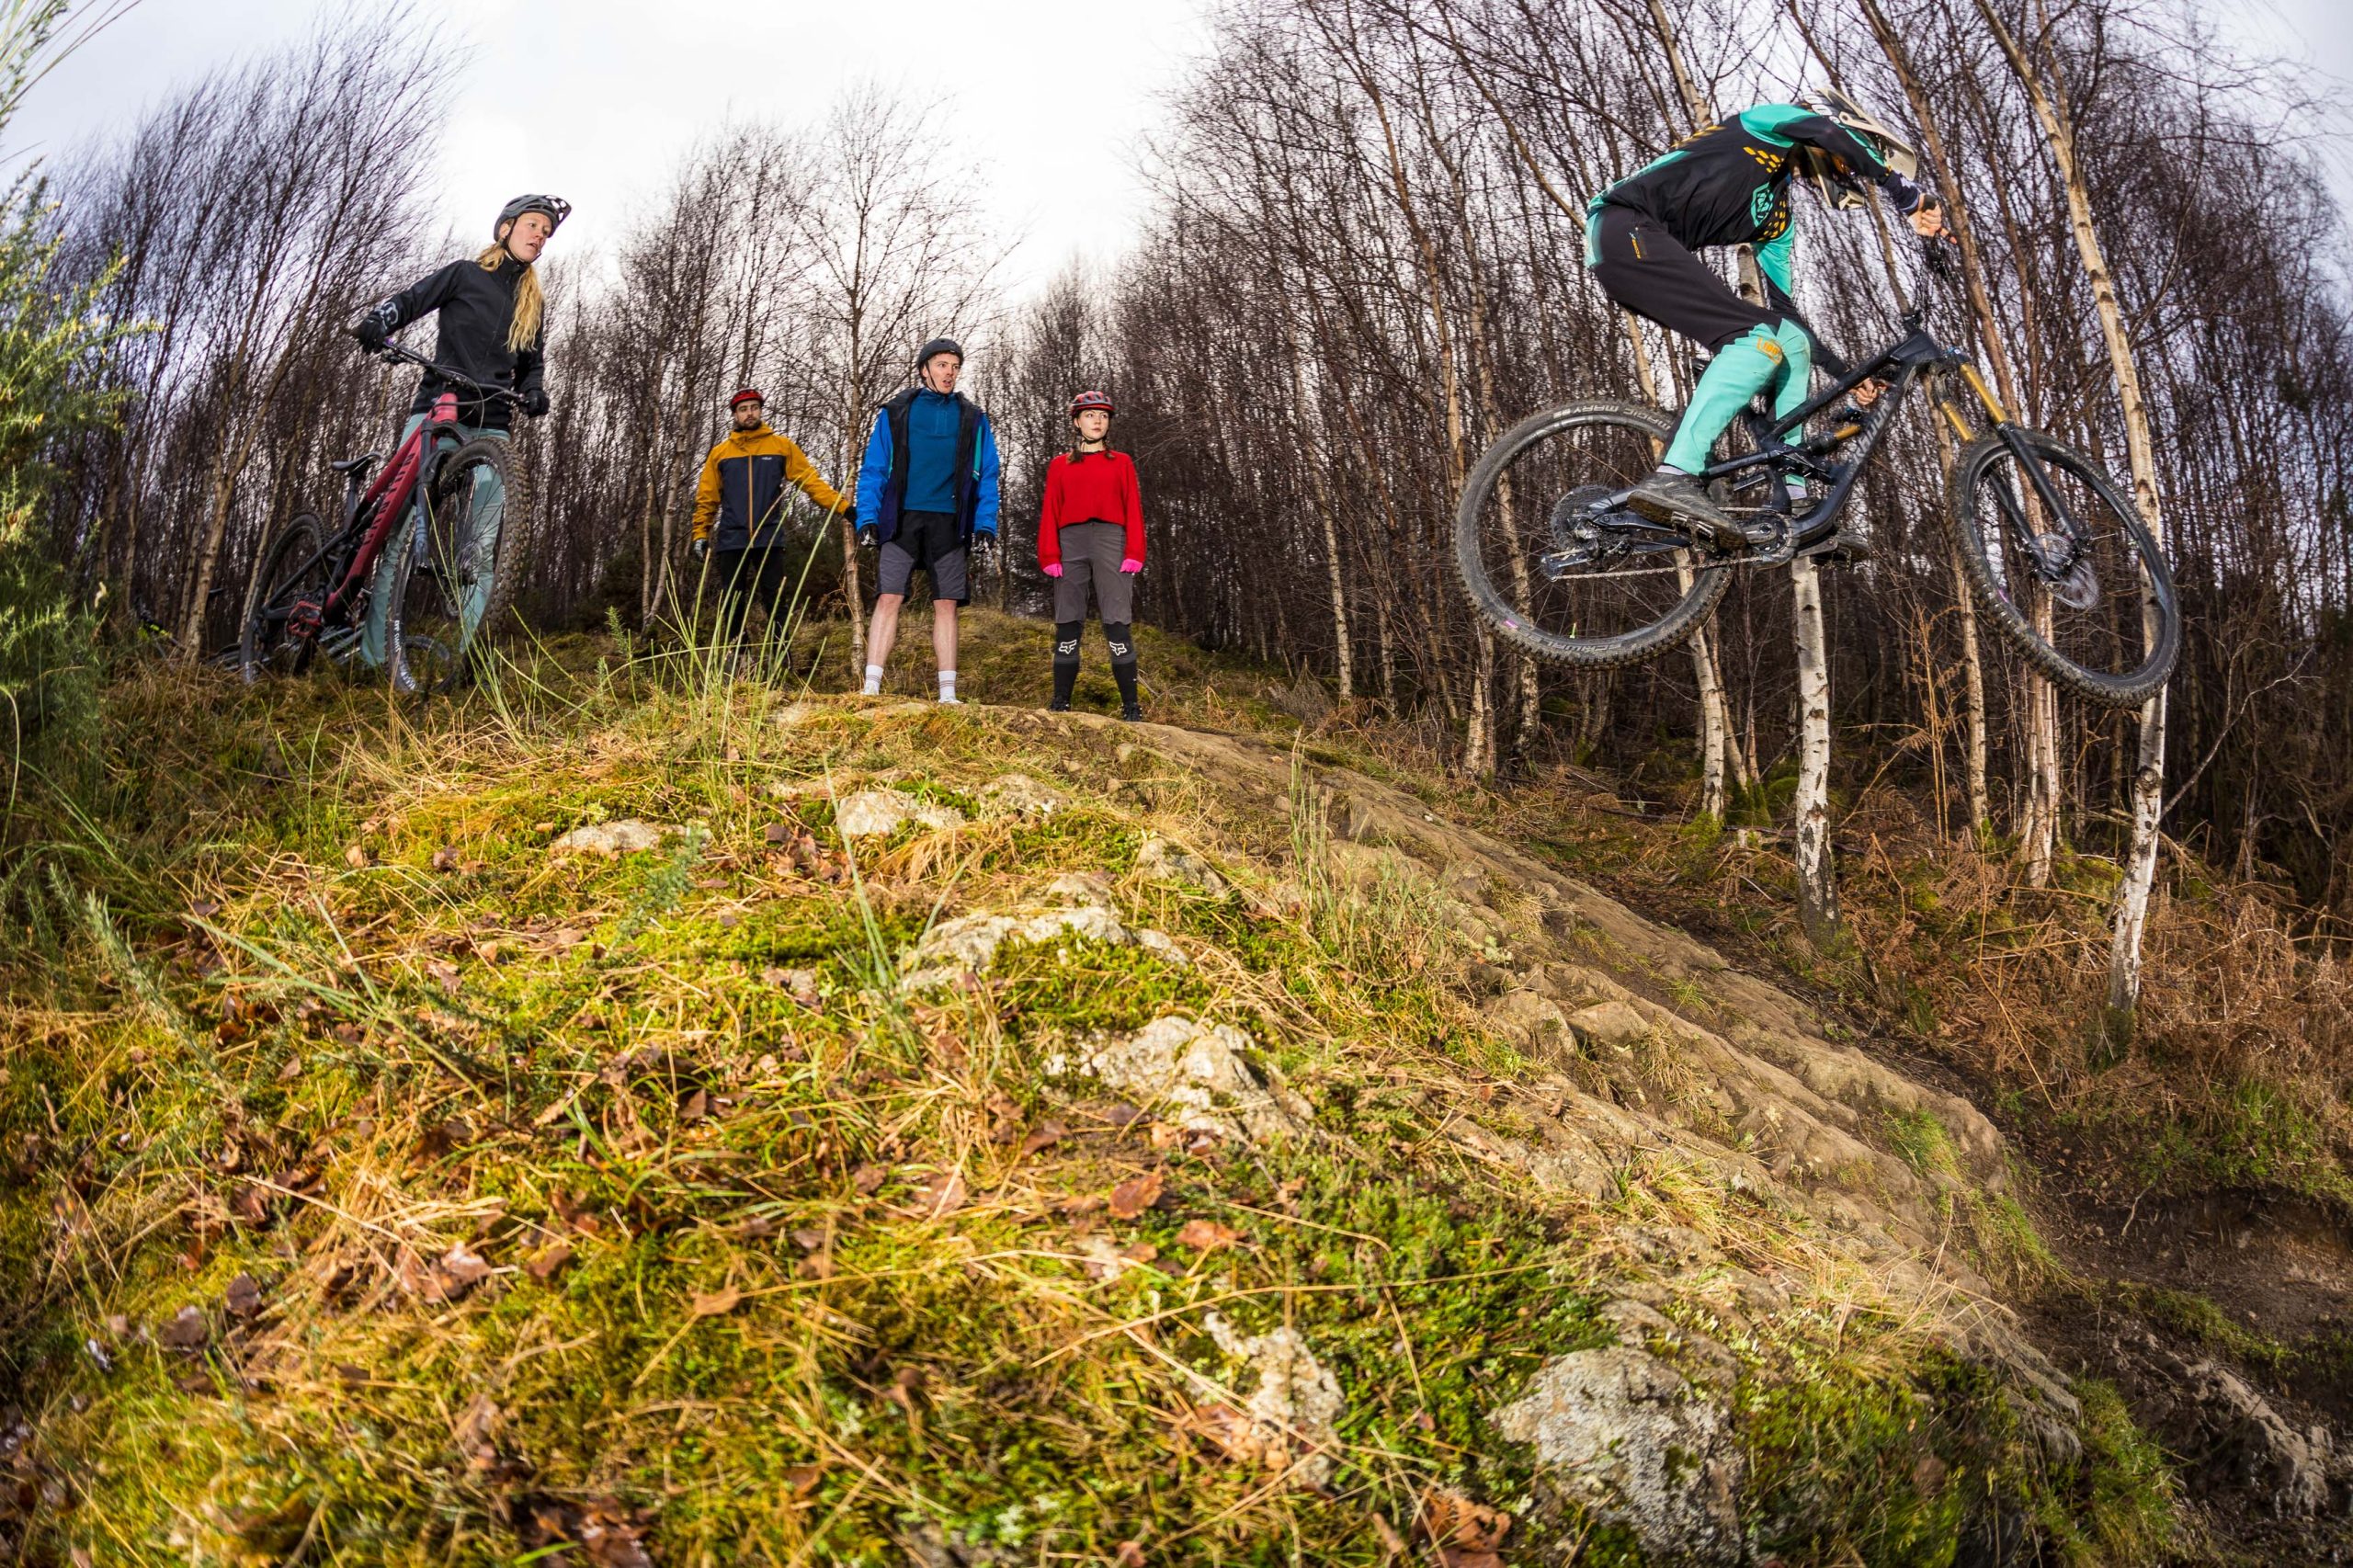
x=475 y=307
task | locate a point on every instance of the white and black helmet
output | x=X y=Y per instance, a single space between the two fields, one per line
x=1838 y=185
x=554 y=208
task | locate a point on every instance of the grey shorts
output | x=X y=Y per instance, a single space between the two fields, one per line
x=1091 y=556
x=933 y=541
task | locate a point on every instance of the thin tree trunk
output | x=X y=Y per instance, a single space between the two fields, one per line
x=2132 y=911
x=1817 y=879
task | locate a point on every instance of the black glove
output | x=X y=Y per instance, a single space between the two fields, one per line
x=984 y=550
x=869 y=536
x=535 y=402
x=371 y=327
x=700 y=549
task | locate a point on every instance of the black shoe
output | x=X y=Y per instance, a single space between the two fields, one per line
x=1676 y=498
x=1131 y=713
x=1059 y=705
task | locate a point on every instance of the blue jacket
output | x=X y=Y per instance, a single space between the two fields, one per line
x=883 y=477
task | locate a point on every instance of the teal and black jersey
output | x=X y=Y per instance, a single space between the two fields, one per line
x=1729 y=184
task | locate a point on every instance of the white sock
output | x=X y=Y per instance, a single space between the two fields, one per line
x=947 y=685
x=874 y=680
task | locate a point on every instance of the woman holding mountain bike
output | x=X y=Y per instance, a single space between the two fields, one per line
x=489 y=355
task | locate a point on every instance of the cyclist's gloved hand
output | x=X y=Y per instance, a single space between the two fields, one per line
x=984 y=550
x=869 y=536
x=1131 y=566
x=535 y=402
x=700 y=549
x=1052 y=569
x=372 y=327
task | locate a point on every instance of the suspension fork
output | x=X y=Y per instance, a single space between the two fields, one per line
x=2012 y=437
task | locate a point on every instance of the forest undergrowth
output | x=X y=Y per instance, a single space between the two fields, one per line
x=385 y=1184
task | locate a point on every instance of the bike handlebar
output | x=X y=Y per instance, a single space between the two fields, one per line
x=393 y=354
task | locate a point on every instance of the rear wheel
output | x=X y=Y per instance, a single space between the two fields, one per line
x=1560 y=573
x=445 y=571
x=290 y=580
x=2065 y=568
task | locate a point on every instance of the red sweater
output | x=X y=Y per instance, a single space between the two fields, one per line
x=1093 y=487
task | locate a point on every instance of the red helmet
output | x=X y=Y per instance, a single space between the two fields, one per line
x=1088 y=400
x=749 y=394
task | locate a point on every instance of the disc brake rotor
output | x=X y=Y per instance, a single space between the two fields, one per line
x=2065 y=571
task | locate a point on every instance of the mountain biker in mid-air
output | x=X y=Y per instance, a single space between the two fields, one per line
x=490 y=310
x=1728 y=184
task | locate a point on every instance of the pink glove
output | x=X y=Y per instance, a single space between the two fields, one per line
x=1055 y=570
x=1130 y=564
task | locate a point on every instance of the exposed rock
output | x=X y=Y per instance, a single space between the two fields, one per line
x=1624 y=1433
x=884 y=812
x=626 y=836
x=1294 y=1411
x=1614 y=1025
x=1018 y=795
x=1166 y=862
x=1081 y=887
x=1194 y=1075
x=2236 y=1438
x=971 y=942
x=1533 y=1022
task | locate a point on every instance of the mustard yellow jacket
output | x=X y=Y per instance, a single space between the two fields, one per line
x=742 y=489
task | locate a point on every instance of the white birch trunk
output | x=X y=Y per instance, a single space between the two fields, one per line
x=1817 y=879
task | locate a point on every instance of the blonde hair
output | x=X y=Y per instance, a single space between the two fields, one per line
x=529 y=301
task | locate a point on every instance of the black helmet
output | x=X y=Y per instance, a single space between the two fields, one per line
x=555 y=208
x=935 y=347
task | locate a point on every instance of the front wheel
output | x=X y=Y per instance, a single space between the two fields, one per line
x=2060 y=560
x=445 y=567
x=289 y=585
x=1556 y=570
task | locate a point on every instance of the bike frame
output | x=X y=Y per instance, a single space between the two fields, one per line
x=1902 y=364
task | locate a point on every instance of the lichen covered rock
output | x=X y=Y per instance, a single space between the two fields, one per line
x=881 y=813
x=1622 y=1431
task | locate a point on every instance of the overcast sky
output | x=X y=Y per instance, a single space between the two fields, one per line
x=595 y=100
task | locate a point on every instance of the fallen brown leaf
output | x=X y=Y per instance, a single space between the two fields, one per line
x=357 y=857
x=186 y=1331
x=445 y=858
x=942 y=1195
x=446 y=973
x=460 y=1270
x=1134 y=1196
x=1461 y=1526
x=548 y=1262
x=244 y=1297
x=868 y=1179
x=1046 y=1134
x=718 y=1304
x=1207 y=1236
x=696 y=1106
x=1129 y=1555
x=803 y=1478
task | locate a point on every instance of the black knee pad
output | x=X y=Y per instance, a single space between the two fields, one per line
x=1066 y=635
x=1122 y=640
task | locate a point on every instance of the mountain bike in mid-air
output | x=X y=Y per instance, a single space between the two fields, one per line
x=2056 y=551
x=409 y=579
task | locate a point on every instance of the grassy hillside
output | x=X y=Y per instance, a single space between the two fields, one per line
x=396 y=1175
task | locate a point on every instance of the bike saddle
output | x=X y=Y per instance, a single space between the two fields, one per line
x=359 y=464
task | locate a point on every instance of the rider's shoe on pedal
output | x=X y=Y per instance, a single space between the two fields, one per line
x=1670 y=496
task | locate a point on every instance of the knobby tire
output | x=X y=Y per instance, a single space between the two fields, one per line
x=2128 y=690
x=300 y=539
x=1667 y=632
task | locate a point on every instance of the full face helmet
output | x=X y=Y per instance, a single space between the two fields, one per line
x=1840 y=186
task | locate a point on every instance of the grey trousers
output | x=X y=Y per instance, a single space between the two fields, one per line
x=1091 y=554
